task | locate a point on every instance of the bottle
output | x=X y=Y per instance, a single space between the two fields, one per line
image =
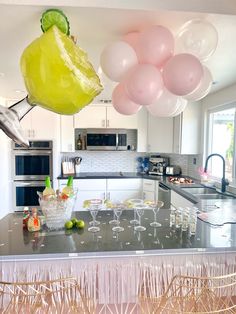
x=26 y=215
x=68 y=189
x=34 y=223
x=48 y=192
x=79 y=143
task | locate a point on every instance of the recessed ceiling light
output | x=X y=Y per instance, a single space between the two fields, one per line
x=2 y=74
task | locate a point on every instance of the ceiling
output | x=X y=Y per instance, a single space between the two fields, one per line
x=96 y=23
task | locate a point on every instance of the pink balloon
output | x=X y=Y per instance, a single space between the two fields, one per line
x=182 y=74
x=167 y=105
x=143 y=84
x=131 y=39
x=116 y=59
x=122 y=103
x=155 y=45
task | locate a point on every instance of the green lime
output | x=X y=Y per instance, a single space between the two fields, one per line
x=55 y=17
x=74 y=221
x=69 y=225
x=80 y=224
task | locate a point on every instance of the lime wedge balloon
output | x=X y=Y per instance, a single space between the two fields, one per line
x=57 y=73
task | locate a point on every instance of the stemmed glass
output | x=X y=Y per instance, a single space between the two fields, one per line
x=118 y=208
x=140 y=211
x=155 y=206
x=133 y=202
x=95 y=205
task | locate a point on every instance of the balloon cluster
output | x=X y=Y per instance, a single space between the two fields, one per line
x=159 y=72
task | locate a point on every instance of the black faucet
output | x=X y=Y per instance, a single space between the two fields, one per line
x=224 y=182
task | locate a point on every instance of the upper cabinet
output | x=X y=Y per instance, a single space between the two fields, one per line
x=67 y=141
x=100 y=116
x=187 y=130
x=40 y=124
x=159 y=134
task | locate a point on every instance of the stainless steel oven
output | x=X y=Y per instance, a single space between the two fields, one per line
x=25 y=193
x=30 y=166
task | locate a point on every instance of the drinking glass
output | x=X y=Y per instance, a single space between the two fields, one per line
x=140 y=211
x=133 y=202
x=118 y=208
x=155 y=206
x=95 y=205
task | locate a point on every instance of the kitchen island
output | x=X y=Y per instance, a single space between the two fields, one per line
x=114 y=268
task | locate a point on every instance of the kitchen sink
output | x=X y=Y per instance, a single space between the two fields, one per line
x=206 y=193
x=199 y=190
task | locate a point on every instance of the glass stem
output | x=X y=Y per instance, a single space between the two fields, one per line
x=155 y=216
x=139 y=219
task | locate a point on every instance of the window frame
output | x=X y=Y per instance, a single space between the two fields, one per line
x=209 y=134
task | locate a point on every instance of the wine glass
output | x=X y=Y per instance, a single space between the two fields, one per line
x=95 y=205
x=155 y=206
x=118 y=208
x=140 y=211
x=132 y=203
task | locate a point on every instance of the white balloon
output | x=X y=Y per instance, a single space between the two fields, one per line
x=203 y=88
x=197 y=37
x=168 y=105
x=116 y=59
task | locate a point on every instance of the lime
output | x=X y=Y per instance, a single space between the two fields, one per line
x=57 y=74
x=74 y=221
x=69 y=225
x=86 y=204
x=55 y=17
x=80 y=224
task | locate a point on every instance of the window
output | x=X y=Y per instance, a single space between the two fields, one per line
x=222 y=141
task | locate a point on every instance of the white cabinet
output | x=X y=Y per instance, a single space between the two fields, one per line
x=149 y=188
x=187 y=130
x=100 y=116
x=123 y=189
x=180 y=201
x=160 y=134
x=67 y=143
x=40 y=124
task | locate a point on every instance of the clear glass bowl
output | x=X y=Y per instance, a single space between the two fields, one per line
x=57 y=212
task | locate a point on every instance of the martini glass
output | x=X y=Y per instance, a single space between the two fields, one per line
x=132 y=203
x=58 y=77
x=140 y=211
x=95 y=206
x=155 y=206
x=118 y=208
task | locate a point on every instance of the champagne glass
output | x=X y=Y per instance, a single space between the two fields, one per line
x=132 y=203
x=118 y=208
x=95 y=205
x=140 y=211
x=155 y=206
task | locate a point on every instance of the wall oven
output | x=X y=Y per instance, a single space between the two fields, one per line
x=30 y=166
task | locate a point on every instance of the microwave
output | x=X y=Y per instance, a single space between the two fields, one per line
x=106 y=139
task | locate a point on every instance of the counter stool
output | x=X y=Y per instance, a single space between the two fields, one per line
x=53 y=296
x=188 y=294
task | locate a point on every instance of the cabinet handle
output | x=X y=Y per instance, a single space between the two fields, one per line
x=108 y=123
x=103 y=123
x=144 y=195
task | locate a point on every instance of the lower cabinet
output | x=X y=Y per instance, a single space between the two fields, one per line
x=123 y=189
x=149 y=190
x=180 y=201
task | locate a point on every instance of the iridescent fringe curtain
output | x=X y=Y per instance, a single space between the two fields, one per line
x=120 y=280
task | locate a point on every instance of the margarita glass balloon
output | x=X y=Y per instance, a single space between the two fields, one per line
x=58 y=77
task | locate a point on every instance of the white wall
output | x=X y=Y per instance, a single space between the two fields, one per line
x=5 y=175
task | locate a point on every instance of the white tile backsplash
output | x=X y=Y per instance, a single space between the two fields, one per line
x=108 y=161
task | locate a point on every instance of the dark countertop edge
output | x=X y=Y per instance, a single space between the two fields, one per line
x=116 y=254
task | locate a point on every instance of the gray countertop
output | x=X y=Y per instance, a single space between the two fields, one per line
x=19 y=244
